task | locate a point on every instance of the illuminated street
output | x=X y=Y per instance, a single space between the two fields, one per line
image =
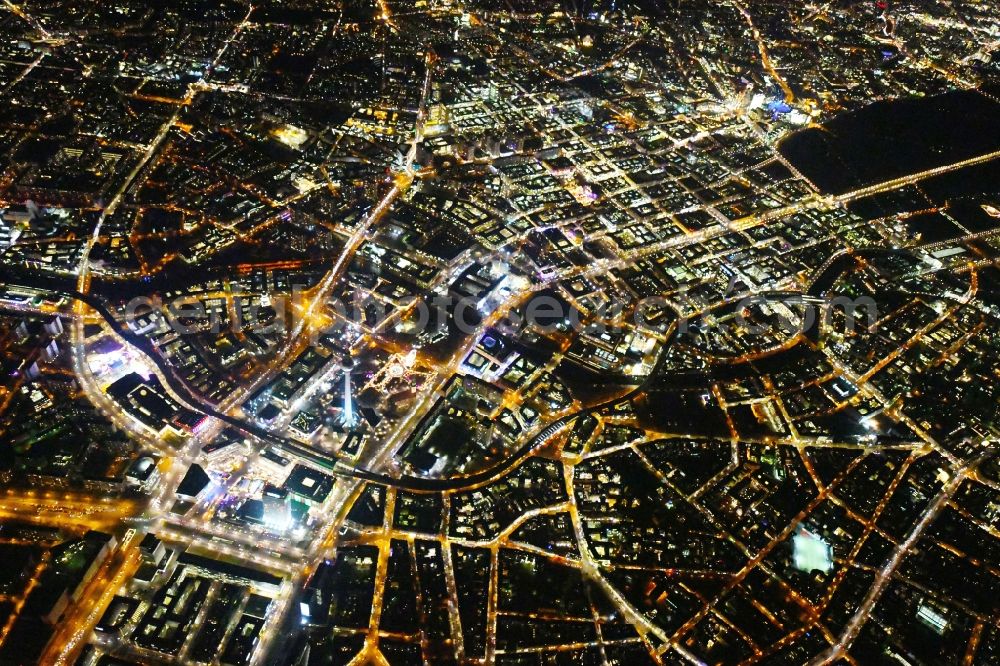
x=443 y=333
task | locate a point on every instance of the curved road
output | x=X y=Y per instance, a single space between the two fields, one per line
x=411 y=483
x=335 y=466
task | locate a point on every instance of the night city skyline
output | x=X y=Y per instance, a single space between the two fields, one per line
x=494 y=332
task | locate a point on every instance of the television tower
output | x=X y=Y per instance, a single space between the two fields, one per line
x=347 y=415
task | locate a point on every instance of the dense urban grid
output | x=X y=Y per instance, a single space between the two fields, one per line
x=499 y=332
